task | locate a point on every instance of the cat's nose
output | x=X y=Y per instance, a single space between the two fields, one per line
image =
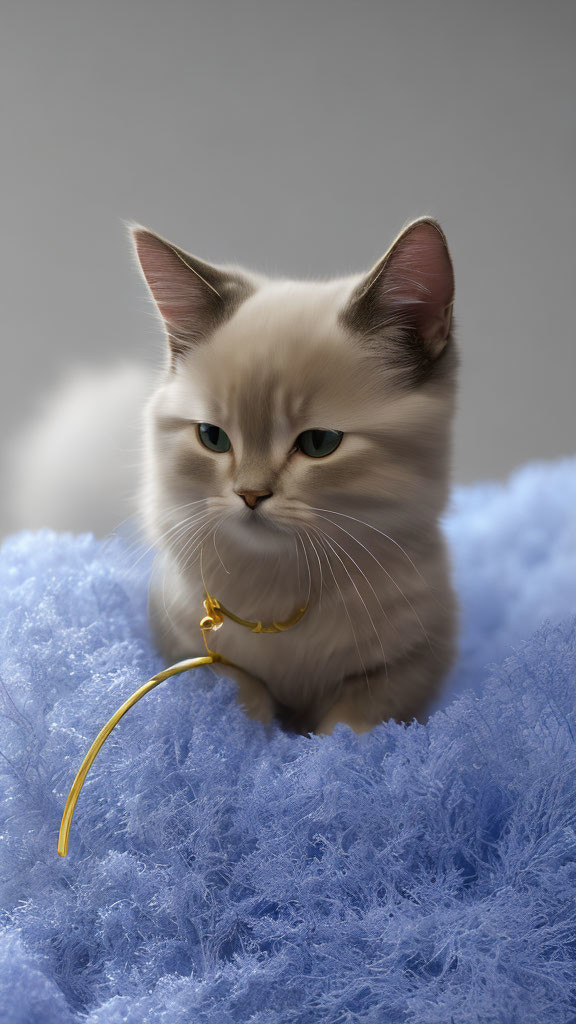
x=253 y=498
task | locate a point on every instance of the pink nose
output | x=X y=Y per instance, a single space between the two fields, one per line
x=253 y=498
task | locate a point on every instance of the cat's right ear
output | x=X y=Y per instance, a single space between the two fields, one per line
x=192 y=297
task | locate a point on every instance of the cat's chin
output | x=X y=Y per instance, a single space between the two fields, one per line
x=259 y=533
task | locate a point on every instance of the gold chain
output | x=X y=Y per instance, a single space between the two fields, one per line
x=211 y=621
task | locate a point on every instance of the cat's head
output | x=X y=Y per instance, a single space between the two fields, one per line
x=285 y=400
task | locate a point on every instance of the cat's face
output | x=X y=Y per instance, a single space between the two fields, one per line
x=286 y=401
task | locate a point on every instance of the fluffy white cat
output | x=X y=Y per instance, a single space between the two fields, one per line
x=297 y=452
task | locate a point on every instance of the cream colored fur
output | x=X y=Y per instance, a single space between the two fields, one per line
x=355 y=534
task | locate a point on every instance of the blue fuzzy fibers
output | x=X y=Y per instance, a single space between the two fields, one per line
x=222 y=872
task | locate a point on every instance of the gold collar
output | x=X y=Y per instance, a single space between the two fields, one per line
x=210 y=622
x=214 y=620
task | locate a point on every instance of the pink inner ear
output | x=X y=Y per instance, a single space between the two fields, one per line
x=181 y=295
x=417 y=282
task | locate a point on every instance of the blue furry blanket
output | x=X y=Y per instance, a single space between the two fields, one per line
x=222 y=873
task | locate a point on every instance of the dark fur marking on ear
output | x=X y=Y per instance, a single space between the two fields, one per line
x=403 y=306
x=192 y=296
x=410 y=356
x=405 y=353
x=220 y=306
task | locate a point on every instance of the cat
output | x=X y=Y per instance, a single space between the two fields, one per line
x=297 y=454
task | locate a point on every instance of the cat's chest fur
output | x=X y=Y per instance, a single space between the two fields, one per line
x=350 y=627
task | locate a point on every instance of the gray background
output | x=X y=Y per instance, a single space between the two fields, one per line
x=295 y=137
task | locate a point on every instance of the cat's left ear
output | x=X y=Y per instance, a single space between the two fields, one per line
x=411 y=287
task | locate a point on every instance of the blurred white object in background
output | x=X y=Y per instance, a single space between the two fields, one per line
x=76 y=466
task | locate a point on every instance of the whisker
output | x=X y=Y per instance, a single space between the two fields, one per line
x=376 y=530
x=372 y=623
x=206 y=591
x=183 y=528
x=319 y=567
x=297 y=561
x=178 y=508
x=204 y=540
x=192 y=545
x=196 y=517
x=118 y=526
x=186 y=566
x=309 y=570
x=210 y=535
x=327 y=556
x=169 y=511
x=187 y=538
x=165 y=606
x=221 y=520
x=175 y=527
x=362 y=573
x=390 y=577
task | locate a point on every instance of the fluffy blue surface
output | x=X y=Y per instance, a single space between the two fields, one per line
x=220 y=872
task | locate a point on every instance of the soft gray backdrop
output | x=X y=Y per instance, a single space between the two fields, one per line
x=295 y=137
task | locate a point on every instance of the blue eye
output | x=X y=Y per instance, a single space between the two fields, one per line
x=319 y=443
x=213 y=437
